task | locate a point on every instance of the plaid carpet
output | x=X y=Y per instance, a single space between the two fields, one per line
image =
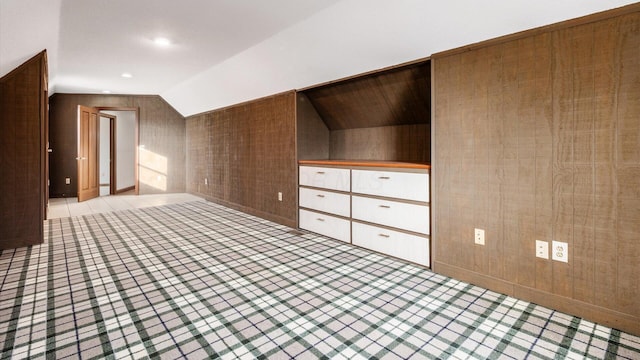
x=197 y=280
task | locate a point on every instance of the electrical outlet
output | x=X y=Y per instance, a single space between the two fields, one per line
x=542 y=249
x=560 y=251
x=279 y=196
x=67 y=181
x=479 y=236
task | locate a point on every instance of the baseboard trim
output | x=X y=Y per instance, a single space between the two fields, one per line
x=590 y=312
x=267 y=216
x=120 y=191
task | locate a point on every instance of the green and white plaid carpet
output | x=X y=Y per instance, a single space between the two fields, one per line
x=198 y=280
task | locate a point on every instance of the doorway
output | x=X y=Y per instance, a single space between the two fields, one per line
x=107 y=151
x=118 y=164
x=107 y=154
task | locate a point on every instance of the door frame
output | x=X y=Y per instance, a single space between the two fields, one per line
x=112 y=150
x=136 y=111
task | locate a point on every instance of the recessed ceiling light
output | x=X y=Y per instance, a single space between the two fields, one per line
x=127 y=75
x=160 y=41
x=106 y=91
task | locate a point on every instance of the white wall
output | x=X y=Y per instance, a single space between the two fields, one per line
x=28 y=27
x=125 y=148
x=105 y=153
x=355 y=36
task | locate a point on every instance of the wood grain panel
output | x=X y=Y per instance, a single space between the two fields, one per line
x=23 y=139
x=627 y=163
x=393 y=97
x=162 y=133
x=542 y=132
x=381 y=115
x=247 y=152
x=311 y=131
x=394 y=143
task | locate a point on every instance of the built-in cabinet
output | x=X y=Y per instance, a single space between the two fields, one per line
x=325 y=201
x=363 y=147
x=376 y=205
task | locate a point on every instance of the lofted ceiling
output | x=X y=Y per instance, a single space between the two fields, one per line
x=227 y=51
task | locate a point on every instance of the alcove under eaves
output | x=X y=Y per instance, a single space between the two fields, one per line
x=381 y=115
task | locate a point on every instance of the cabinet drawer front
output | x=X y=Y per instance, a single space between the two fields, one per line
x=401 y=185
x=391 y=213
x=330 y=226
x=328 y=178
x=326 y=201
x=398 y=244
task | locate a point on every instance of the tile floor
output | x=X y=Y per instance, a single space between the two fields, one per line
x=66 y=207
x=196 y=280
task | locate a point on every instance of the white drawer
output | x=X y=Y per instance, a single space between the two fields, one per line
x=330 y=226
x=335 y=203
x=391 y=213
x=328 y=178
x=398 y=244
x=401 y=185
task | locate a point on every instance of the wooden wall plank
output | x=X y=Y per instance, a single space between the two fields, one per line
x=23 y=153
x=399 y=96
x=394 y=143
x=561 y=162
x=248 y=154
x=311 y=131
x=162 y=132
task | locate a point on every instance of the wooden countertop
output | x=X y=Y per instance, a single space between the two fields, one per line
x=368 y=163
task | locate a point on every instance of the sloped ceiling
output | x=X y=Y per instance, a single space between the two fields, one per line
x=227 y=51
x=400 y=96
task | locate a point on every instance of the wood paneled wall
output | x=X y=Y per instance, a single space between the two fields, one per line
x=538 y=137
x=23 y=141
x=397 y=96
x=381 y=115
x=313 y=135
x=409 y=143
x=247 y=154
x=161 y=132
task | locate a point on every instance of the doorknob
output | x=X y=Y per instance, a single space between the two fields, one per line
x=81 y=158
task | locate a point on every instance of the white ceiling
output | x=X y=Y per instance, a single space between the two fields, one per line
x=228 y=51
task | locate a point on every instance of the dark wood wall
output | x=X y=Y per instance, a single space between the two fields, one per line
x=313 y=135
x=247 y=154
x=161 y=133
x=381 y=115
x=396 y=96
x=23 y=139
x=411 y=143
x=537 y=136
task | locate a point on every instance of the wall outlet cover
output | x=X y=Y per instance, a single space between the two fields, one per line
x=542 y=249
x=479 y=236
x=560 y=251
